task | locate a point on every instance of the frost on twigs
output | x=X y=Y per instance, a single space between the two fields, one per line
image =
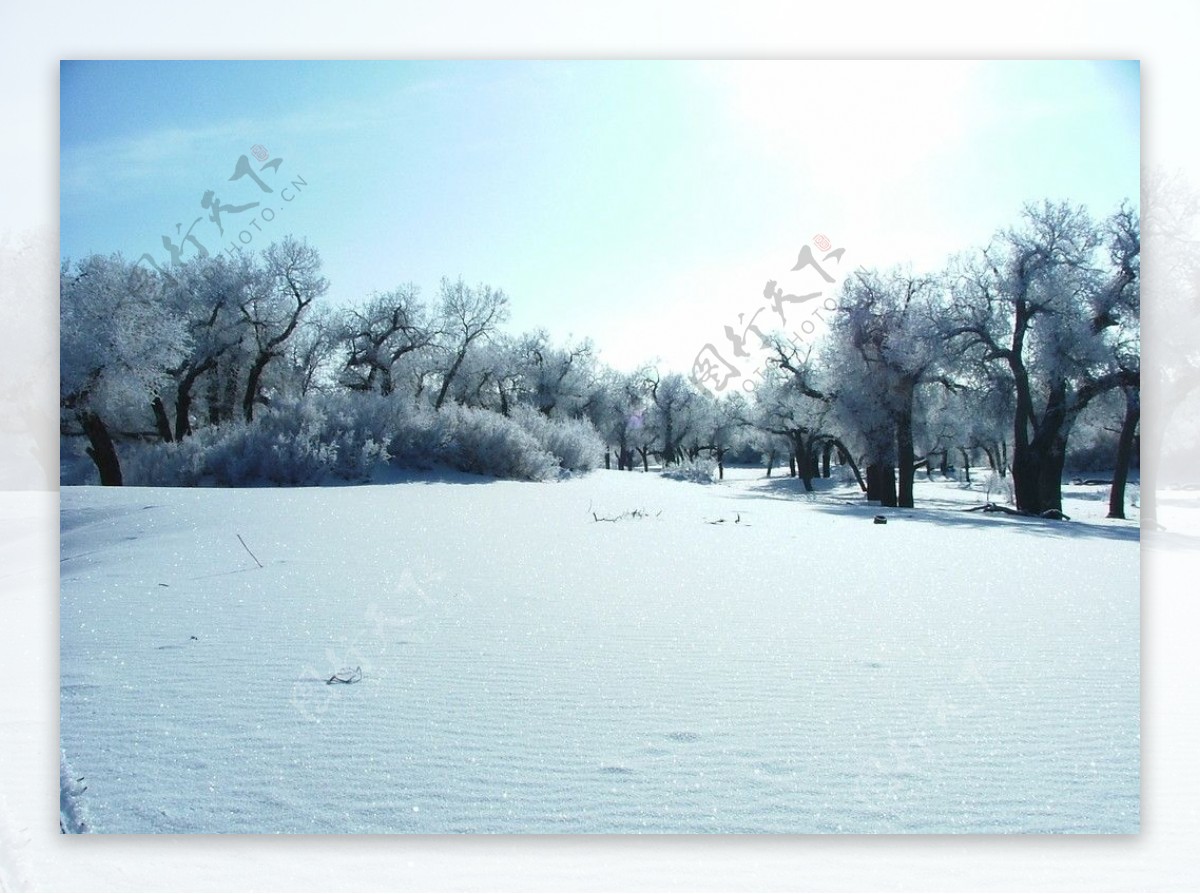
x=701 y=470
x=346 y=675
x=630 y=514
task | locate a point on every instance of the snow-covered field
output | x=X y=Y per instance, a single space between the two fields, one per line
x=739 y=657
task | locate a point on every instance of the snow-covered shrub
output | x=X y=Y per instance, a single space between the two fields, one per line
x=702 y=470
x=351 y=436
x=999 y=488
x=281 y=448
x=179 y=464
x=287 y=444
x=488 y=443
x=575 y=443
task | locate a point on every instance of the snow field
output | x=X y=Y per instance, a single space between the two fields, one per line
x=530 y=669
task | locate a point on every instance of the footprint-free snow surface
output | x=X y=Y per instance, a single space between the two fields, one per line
x=612 y=653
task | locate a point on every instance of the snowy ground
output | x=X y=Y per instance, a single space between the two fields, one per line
x=738 y=657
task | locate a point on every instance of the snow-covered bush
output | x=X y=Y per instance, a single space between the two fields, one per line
x=702 y=470
x=288 y=444
x=999 y=488
x=257 y=454
x=575 y=443
x=349 y=437
x=179 y=464
x=487 y=443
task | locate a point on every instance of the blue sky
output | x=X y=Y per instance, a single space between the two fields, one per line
x=643 y=204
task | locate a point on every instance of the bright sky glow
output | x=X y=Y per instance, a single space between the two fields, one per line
x=643 y=204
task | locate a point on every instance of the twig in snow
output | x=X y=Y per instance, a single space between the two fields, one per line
x=346 y=675
x=634 y=513
x=254 y=557
x=1054 y=514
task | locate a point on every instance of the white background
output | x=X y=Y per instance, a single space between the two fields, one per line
x=33 y=854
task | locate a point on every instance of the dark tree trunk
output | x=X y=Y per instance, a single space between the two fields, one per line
x=607 y=458
x=161 y=423
x=1133 y=412
x=966 y=458
x=183 y=397
x=1050 y=489
x=102 y=451
x=670 y=452
x=889 y=486
x=1025 y=480
x=826 y=454
x=450 y=374
x=720 y=463
x=791 y=464
x=881 y=483
x=1037 y=462
x=770 y=462
x=812 y=468
x=252 y=381
x=183 y=412
x=991 y=458
x=906 y=460
x=1044 y=458
x=873 y=488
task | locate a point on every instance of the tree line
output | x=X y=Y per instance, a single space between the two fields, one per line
x=994 y=359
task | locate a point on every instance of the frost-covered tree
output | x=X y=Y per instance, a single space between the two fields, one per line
x=290 y=281
x=618 y=410
x=118 y=339
x=1046 y=305
x=795 y=401
x=482 y=377
x=557 y=381
x=888 y=324
x=720 y=425
x=673 y=404
x=206 y=295
x=468 y=315
x=313 y=359
x=379 y=334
